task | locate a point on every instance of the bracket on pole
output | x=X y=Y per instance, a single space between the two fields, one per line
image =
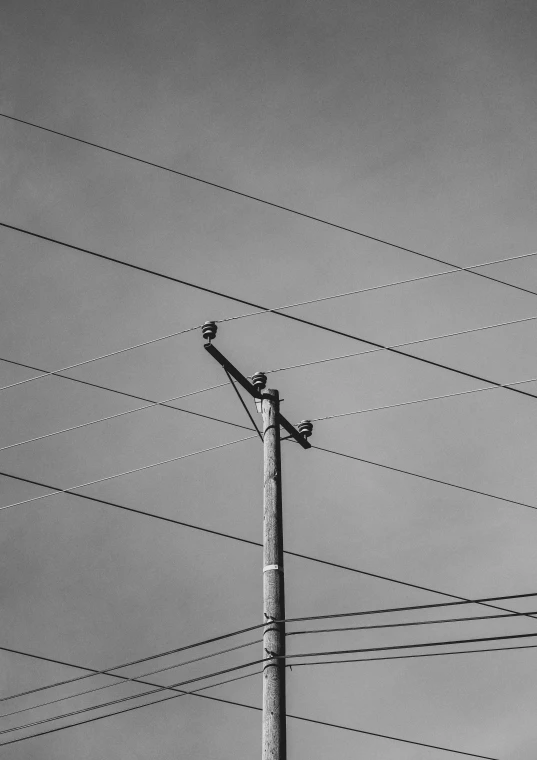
x=299 y=437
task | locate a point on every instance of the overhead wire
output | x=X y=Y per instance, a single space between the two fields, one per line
x=375 y=344
x=424 y=477
x=92 y=672
x=402 y=345
x=131 y=680
x=127 y=472
x=165 y=402
x=382 y=286
x=46 y=373
x=288 y=633
x=405 y=624
x=362 y=650
x=421 y=400
x=102 y=356
x=258 y=641
x=182 y=693
x=124 y=393
x=123 y=414
x=300 y=555
x=307 y=216
x=197 y=693
x=129 y=698
x=459 y=601
x=265 y=202
x=386 y=610
x=411 y=656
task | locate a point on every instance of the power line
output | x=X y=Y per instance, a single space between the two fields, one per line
x=325 y=328
x=292 y=633
x=126 y=679
x=425 y=477
x=123 y=414
x=401 y=625
x=196 y=693
x=412 y=656
x=131 y=697
x=300 y=555
x=110 y=671
x=407 y=646
x=224 y=701
x=422 y=400
x=131 y=680
x=175 y=686
x=45 y=373
x=102 y=356
x=413 y=608
x=385 y=736
x=278 y=206
x=127 y=472
x=165 y=402
x=401 y=345
x=382 y=286
x=234 y=424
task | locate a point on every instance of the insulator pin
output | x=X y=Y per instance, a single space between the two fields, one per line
x=208 y=330
x=305 y=428
x=259 y=380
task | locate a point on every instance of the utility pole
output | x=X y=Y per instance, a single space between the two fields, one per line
x=274 y=722
x=274 y=746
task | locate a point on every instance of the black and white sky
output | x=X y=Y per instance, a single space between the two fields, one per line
x=410 y=121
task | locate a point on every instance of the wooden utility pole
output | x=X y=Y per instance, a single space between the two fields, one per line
x=274 y=727
x=268 y=402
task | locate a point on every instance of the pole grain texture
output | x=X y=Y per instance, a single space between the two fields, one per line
x=274 y=708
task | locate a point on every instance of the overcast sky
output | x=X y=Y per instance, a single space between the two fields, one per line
x=410 y=121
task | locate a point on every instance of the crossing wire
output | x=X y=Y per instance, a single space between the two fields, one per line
x=174 y=687
x=129 y=698
x=130 y=680
x=272 y=204
x=300 y=555
x=102 y=356
x=424 y=477
x=45 y=373
x=401 y=625
x=110 y=671
x=411 y=656
x=165 y=402
x=196 y=693
x=300 y=320
x=151 y=405
x=127 y=472
x=402 y=345
x=258 y=641
x=421 y=400
x=452 y=642
x=91 y=672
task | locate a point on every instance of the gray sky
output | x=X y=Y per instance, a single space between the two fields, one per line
x=413 y=122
